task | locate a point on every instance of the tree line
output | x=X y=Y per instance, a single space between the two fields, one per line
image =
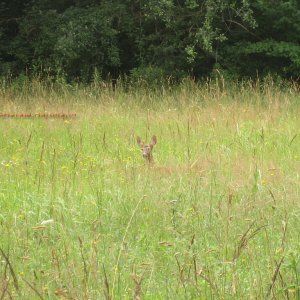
x=150 y=39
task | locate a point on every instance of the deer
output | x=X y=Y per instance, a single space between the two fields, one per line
x=147 y=148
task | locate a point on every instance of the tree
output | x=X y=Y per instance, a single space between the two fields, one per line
x=157 y=38
x=273 y=47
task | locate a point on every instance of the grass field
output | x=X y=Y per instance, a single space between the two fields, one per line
x=82 y=216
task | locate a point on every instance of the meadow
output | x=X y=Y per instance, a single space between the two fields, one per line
x=83 y=216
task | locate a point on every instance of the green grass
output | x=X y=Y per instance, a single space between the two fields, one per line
x=216 y=216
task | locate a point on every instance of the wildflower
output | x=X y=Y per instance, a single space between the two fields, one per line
x=7 y=163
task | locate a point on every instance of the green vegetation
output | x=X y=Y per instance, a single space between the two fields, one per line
x=149 y=39
x=83 y=215
x=216 y=217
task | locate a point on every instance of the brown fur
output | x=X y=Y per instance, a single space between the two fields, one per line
x=147 y=148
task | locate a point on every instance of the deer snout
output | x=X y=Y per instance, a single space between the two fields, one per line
x=146 y=152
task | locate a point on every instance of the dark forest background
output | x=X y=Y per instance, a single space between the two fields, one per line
x=150 y=39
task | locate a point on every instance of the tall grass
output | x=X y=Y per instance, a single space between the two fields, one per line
x=216 y=217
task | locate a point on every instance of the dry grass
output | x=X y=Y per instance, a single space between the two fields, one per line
x=83 y=217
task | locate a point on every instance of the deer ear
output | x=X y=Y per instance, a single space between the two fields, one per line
x=153 y=141
x=139 y=141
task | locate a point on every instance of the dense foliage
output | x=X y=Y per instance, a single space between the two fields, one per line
x=150 y=39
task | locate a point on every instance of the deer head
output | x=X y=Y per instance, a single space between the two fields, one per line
x=147 y=148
